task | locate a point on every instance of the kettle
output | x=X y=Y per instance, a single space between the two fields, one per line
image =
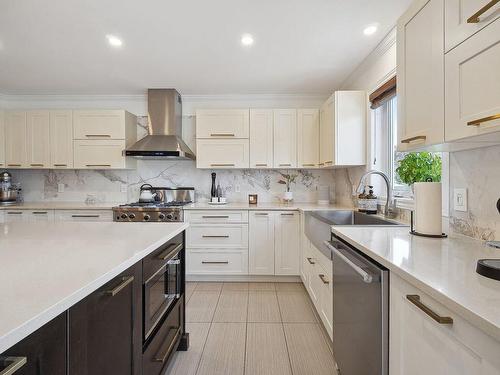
x=147 y=194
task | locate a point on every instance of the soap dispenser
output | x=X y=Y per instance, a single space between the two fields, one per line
x=371 y=202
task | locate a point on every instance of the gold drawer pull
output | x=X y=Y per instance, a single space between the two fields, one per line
x=261 y=165
x=484 y=119
x=14 y=213
x=415 y=299
x=98 y=165
x=214 y=236
x=308 y=165
x=222 y=135
x=285 y=165
x=85 y=216
x=287 y=214
x=321 y=164
x=222 y=165
x=221 y=262
x=125 y=281
x=329 y=162
x=412 y=139
x=98 y=135
x=14 y=165
x=324 y=279
x=13 y=364
x=261 y=214
x=310 y=261
x=37 y=165
x=475 y=17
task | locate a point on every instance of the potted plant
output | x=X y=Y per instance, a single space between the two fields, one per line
x=287 y=179
x=419 y=167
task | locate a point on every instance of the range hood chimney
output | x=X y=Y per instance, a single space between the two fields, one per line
x=164 y=140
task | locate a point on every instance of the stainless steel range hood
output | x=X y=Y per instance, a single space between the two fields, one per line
x=165 y=129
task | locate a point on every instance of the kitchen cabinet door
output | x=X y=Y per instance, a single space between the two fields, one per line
x=285 y=138
x=472 y=76
x=325 y=310
x=456 y=15
x=327 y=133
x=261 y=138
x=41 y=353
x=99 y=154
x=16 y=216
x=38 y=139
x=222 y=123
x=222 y=153
x=15 y=139
x=261 y=243
x=99 y=124
x=61 y=139
x=287 y=243
x=105 y=329
x=308 y=138
x=2 y=139
x=420 y=61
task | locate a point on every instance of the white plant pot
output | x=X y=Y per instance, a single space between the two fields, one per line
x=288 y=196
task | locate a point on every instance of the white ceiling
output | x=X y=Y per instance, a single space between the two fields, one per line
x=301 y=46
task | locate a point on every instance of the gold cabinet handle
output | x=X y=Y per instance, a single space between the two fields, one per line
x=60 y=165
x=221 y=262
x=13 y=364
x=475 y=17
x=484 y=119
x=308 y=165
x=261 y=214
x=329 y=162
x=163 y=357
x=98 y=135
x=37 y=165
x=14 y=165
x=310 y=261
x=215 y=236
x=285 y=165
x=261 y=165
x=412 y=139
x=125 y=281
x=14 y=213
x=287 y=214
x=324 y=279
x=168 y=253
x=222 y=135
x=98 y=165
x=222 y=165
x=321 y=164
x=415 y=299
x=39 y=212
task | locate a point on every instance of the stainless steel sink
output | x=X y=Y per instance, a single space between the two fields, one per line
x=350 y=217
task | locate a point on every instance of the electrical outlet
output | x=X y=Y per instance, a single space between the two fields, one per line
x=460 y=199
x=60 y=188
x=237 y=188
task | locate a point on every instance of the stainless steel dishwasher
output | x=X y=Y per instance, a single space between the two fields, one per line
x=360 y=312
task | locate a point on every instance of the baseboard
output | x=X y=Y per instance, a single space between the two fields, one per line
x=245 y=278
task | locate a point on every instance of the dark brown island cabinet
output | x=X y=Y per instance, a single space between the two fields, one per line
x=105 y=333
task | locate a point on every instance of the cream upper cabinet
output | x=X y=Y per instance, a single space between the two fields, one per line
x=420 y=345
x=460 y=22
x=102 y=154
x=61 y=139
x=261 y=138
x=261 y=243
x=38 y=139
x=285 y=138
x=2 y=139
x=15 y=139
x=222 y=153
x=420 y=74
x=222 y=123
x=287 y=243
x=104 y=124
x=307 y=138
x=472 y=86
x=343 y=129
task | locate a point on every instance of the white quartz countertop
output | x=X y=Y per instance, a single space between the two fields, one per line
x=269 y=206
x=443 y=268
x=48 y=267
x=61 y=206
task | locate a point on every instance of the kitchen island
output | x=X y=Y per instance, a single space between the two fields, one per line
x=49 y=267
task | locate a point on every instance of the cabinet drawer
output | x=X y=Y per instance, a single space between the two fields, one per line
x=84 y=215
x=216 y=216
x=207 y=261
x=217 y=236
x=101 y=124
x=222 y=153
x=222 y=123
x=99 y=154
x=322 y=260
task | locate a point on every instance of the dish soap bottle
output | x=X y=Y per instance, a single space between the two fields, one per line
x=362 y=201
x=371 y=202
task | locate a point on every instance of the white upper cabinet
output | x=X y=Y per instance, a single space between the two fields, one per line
x=2 y=139
x=101 y=154
x=38 y=139
x=463 y=18
x=420 y=75
x=472 y=86
x=261 y=138
x=104 y=124
x=222 y=123
x=261 y=243
x=61 y=139
x=285 y=138
x=222 y=153
x=343 y=129
x=15 y=139
x=287 y=243
x=307 y=138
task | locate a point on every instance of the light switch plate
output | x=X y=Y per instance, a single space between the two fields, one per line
x=460 y=199
x=60 y=188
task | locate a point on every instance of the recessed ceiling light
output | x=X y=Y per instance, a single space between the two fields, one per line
x=247 y=39
x=370 y=30
x=114 y=41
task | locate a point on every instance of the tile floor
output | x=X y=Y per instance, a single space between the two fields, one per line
x=252 y=329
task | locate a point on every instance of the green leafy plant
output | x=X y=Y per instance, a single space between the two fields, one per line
x=419 y=167
x=287 y=179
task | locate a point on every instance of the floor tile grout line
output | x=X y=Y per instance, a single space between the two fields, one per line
x=246 y=336
x=284 y=333
x=203 y=349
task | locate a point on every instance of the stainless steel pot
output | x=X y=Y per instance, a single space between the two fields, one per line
x=8 y=196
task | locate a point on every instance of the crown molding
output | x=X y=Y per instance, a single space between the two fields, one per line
x=255 y=97
x=68 y=98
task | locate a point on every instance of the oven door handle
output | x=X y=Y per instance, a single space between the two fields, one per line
x=367 y=278
x=168 y=254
